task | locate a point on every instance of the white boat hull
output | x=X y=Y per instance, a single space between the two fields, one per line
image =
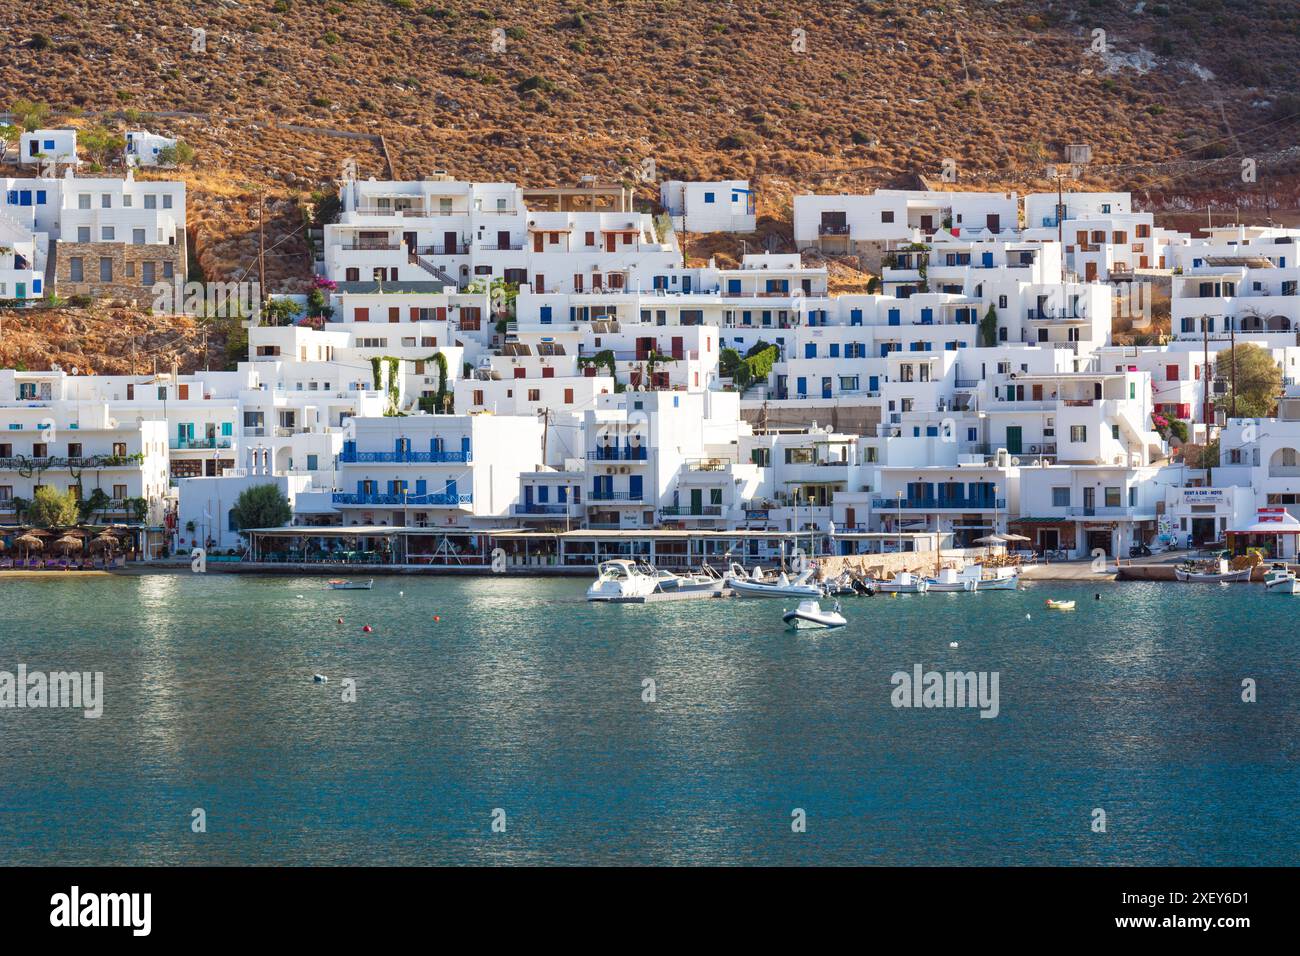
x=889 y=587
x=951 y=586
x=1290 y=585
x=755 y=589
x=1211 y=577
x=999 y=584
x=351 y=585
x=810 y=616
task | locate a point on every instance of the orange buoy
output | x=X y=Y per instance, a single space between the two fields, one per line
x=366 y=629
x=436 y=618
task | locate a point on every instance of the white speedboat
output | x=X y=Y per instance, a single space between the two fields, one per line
x=340 y=585
x=1281 y=580
x=621 y=580
x=809 y=614
x=755 y=585
x=904 y=582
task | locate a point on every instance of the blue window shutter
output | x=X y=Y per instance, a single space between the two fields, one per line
x=546 y=315
x=36 y=285
x=40 y=197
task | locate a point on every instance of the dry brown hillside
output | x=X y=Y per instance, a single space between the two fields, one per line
x=818 y=95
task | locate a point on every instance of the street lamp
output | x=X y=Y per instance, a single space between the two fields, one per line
x=899 y=522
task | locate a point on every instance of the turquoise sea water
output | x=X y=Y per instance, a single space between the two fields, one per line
x=523 y=697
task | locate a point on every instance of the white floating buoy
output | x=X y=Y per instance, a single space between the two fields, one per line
x=1028 y=618
x=953 y=644
x=320 y=679
x=401 y=594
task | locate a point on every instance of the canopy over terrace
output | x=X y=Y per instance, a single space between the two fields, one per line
x=1275 y=532
x=673 y=549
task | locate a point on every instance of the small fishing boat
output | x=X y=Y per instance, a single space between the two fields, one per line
x=809 y=615
x=904 y=582
x=1281 y=580
x=952 y=579
x=1002 y=579
x=1060 y=605
x=1210 y=573
x=340 y=585
x=621 y=580
x=756 y=586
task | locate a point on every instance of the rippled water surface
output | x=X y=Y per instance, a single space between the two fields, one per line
x=522 y=697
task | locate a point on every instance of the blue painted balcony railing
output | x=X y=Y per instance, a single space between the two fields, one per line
x=543 y=509
x=613 y=496
x=617 y=453
x=190 y=443
x=456 y=456
x=346 y=498
x=938 y=504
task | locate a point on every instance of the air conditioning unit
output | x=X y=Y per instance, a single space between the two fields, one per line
x=622 y=469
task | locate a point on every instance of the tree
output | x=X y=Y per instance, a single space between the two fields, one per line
x=182 y=154
x=101 y=144
x=8 y=134
x=989 y=328
x=53 y=509
x=28 y=114
x=1258 y=381
x=261 y=506
x=97 y=501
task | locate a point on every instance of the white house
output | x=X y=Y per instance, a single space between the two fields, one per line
x=48 y=146
x=722 y=206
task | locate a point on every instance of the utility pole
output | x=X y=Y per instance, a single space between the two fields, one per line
x=1232 y=352
x=261 y=251
x=1205 y=388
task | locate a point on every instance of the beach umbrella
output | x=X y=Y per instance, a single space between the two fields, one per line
x=991 y=539
x=69 y=542
x=1015 y=537
x=29 y=541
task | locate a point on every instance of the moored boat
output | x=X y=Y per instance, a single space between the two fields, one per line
x=904 y=582
x=809 y=615
x=1210 y=573
x=756 y=586
x=341 y=585
x=621 y=580
x=1281 y=580
x=1060 y=605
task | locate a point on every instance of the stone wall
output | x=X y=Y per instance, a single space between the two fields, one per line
x=128 y=269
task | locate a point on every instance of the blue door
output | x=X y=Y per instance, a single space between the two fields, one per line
x=801 y=387
x=987 y=259
x=874 y=385
x=826 y=387
x=421 y=487
x=634 y=487
x=452 y=494
x=733 y=287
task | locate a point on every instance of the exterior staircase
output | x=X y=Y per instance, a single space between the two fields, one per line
x=434 y=271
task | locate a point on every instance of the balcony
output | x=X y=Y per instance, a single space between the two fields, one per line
x=562 y=508
x=832 y=229
x=401 y=501
x=454 y=457
x=617 y=453
x=195 y=444
x=446 y=249
x=371 y=245
x=1054 y=315
x=690 y=511
x=939 y=504
x=614 y=496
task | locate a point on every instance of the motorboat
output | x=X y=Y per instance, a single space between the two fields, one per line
x=704 y=580
x=341 y=585
x=1002 y=579
x=1281 y=580
x=1060 y=605
x=809 y=615
x=954 y=579
x=621 y=580
x=755 y=585
x=1210 y=573
x=904 y=582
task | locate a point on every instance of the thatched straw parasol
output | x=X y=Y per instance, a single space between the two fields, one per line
x=105 y=539
x=29 y=541
x=69 y=542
